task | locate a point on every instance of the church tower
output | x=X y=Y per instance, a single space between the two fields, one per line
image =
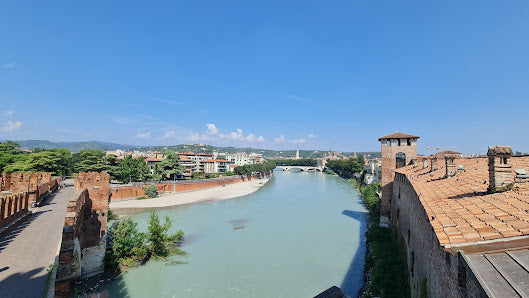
x=398 y=149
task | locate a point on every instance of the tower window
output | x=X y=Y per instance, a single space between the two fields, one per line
x=398 y=142
x=388 y=142
x=408 y=142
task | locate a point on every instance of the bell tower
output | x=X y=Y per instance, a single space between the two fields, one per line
x=398 y=150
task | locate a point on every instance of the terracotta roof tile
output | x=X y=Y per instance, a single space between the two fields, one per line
x=398 y=135
x=460 y=209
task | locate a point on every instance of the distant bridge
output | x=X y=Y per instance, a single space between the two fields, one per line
x=301 y=168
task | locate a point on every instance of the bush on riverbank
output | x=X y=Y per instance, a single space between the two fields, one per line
x=129 y=247
x=151 y=191
x=384 y=263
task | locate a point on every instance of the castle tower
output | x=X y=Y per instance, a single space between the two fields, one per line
x=398 y=150
x=297 y=154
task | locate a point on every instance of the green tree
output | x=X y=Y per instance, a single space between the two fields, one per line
x=125 y=242
x=89 y=160
x=158 y=235
x=10 y=147
x=169 y=166
x=132 y=169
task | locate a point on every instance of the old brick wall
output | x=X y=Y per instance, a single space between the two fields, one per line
x=13 y=206
x=389 y=164
x=70 y=255
x=129 y=192
x=84 y=233
x=426 y=258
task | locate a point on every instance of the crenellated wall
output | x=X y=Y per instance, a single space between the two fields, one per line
x=84 y=232
x=20 y=190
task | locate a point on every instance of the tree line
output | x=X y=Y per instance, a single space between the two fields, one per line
x=62 y=162
x=346 y=167
x=266 y=166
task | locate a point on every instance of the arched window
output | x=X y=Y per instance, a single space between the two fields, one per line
x=400 y=160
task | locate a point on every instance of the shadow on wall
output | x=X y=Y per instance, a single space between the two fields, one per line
x=348 y=285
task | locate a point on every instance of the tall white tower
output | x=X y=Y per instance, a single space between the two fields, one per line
x=297 y=154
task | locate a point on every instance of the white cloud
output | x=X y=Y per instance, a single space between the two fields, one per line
x=9 y=65
x=9 y=113
x=299 y=141
x=280 y=139
x=193 y=136
x=212 y=129
x=311 y=136
x=260 y=139
x=169 y=135
x=250 y=137
x=146 y=135
x=11 y=126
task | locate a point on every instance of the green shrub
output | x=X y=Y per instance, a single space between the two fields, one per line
x=112 y=215
x=151 y=191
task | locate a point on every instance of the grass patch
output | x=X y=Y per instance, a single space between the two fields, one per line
x=50 y=271
x=142 y=198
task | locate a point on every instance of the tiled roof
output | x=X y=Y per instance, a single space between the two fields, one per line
x=153 y=159
x=500 y=149
x=216 y=160
x=398 y=135
x=448 y=152
x=459 y=208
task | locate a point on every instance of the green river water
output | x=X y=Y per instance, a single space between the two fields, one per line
x=303 y=232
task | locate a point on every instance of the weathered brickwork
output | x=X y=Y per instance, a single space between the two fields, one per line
x=435 y=212
x=129 y=192
x=84 y=232
x=393 y=145
x=12 y=207
x=20 y=190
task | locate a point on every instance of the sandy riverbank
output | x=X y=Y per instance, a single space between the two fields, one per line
x=209 y=194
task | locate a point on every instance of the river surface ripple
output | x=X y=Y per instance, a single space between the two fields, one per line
x=303 y=233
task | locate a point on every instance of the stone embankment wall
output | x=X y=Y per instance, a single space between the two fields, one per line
x=132 y=192
x=84 y=233
x=20 y=190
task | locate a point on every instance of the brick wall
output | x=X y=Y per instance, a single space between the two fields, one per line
x=20 y=190
x=13 y=206
x=129 y=192
x=389 y=153
x=84 y=232
x=426 y=258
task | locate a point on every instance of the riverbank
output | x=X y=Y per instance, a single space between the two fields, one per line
x=228 y=191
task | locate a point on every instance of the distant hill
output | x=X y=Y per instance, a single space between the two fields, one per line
x=73 y=146
x=195 y=148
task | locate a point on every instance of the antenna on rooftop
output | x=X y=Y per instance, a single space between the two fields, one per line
x=440 y=148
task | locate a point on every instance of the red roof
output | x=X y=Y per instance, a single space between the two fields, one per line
x=398 y=135
x=153 y=159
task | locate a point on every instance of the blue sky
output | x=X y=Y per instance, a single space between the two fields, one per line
x=266 y=74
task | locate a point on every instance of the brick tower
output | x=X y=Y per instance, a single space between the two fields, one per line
x=398 y=149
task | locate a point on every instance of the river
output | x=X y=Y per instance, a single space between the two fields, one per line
x=303 y=233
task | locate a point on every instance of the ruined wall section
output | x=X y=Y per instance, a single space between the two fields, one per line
x=84 y=233
x=70 y=253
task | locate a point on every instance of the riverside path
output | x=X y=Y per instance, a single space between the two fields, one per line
x=28 y=250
